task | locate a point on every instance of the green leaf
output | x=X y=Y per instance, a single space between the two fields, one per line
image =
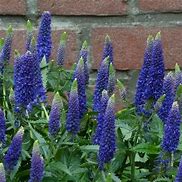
x=179 y=90
x=177 y=68
x=141 y=159
x=126 y=130
x=15 y=170
x=29 y=26
x=40 y=121
x=164 y=179
x=1 y=43
x=25 y=154
x=115 y=178
x=90 y=148
x=79 y=170
x=146 y=148
x=42 y=141
x=156 y=126
x=109 y=177
x=44 y=71
x=60 y=167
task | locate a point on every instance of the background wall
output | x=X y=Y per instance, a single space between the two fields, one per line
x=127 y=22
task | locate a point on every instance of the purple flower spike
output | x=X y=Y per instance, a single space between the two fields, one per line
x=44 y=42
x=179 y=174
x=29 y=36
x=2 y=127
x=100 y=117
x=2 y=173
x=61 y=49
x=101 y=83
x=108 y=49
x=6 y=49
x=112 y=80
x=80 y=75
x=172 y=130
x=84 y=55
x=28 y=81
x=168 y=90
x=155 y=82
x=108 y=136
x=55 y=114
x=37 y=164
x=144 y=76
x=14 y=151
x=73 y=115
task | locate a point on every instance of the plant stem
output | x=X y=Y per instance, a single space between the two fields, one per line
x=132 y=154
x=132 y=162
x=45 y=111
x=172 y=159
x=4 y=96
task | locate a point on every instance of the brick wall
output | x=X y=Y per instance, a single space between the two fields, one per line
x=127 y=22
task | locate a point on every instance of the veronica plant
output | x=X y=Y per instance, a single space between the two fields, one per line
x=100 y=117
x=84 y=55
x=37 y=164
x=79 y=74
x=29 y=88
x=144 y=76
x=6 y=49
x=101 y=83
x=73 y=115
x=2 y=127
x=108 y=136
x=108 y=49
x=55 y=115
x=168 y=90
x=2 y=173
x=61 y=49
x=44 y=42
x=14 y=151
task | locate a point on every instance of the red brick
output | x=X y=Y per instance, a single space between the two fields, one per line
x=71 y=49
x=13 y=7
x=129 y=45
x=83 y=7
x=160 y=5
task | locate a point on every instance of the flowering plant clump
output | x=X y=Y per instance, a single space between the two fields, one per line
x=82 y=135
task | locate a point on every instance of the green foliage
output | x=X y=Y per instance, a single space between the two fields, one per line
x=69 y=159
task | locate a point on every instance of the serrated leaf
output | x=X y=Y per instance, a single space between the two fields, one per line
x=141 y=159
x=146 y=148
x=126 y=130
